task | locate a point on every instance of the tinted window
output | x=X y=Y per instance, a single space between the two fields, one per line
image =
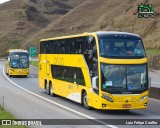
x=19 y=60
x=119 y=79
x=75 y=45
x=121 y=48
x=69 y=74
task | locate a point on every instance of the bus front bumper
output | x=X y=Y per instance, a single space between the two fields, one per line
x=124 y=105
x=19 y=72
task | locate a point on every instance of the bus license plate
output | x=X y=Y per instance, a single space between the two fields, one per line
x=126 y=106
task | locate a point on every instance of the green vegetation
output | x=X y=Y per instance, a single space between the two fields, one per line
x=34 y=63
x=7 y=115
x=152 y=52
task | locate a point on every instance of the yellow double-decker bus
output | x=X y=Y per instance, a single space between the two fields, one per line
x=17 y=62
x=102 y=70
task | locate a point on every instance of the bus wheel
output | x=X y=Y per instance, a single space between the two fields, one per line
x=51 y=89
x=85 y=101
x=10 y=75
x=6 y=72
x=47 y=89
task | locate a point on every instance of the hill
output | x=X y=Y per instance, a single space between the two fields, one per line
x=24 y=23
x=105 y=15
x=21 y=19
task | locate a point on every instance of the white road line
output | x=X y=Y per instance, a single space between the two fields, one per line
x=69 y=109
x=154 y=100
x=34 y=67
x=32 y=76
x=155 y=82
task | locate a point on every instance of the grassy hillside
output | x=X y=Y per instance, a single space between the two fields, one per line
x=21 y=19
x=105 y=15
x=24 y=22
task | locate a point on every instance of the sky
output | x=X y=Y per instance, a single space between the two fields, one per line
x=3 y=1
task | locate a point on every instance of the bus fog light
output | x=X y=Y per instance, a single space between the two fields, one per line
x=103 y=105
x=145 y=104
x=143 y=98
x=107 y=97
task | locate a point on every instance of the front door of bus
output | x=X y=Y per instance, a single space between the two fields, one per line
x=73 y=93
x=74 y=87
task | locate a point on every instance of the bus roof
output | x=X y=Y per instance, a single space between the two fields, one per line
x=99 y=33
x=17 y=50
x=115 y=33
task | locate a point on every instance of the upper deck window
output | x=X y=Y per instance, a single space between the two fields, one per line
x=121 y=48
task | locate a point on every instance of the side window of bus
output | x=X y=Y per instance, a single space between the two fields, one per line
x=69 y=74
x=77 y=47
x=68 y=46
x=90 y=53
x=42 y=47
x=52 y=47
x=49 y=49
x=61 y=46
x=72 y=46
x=78 y=76
x=57 y=47
x=80 y=41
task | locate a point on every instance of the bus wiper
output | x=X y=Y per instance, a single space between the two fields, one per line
x=21 y=64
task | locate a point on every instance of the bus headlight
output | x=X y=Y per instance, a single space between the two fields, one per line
x=143 y=98
x=107 y=97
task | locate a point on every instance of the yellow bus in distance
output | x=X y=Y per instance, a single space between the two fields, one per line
x=17 y=62
x=102 y=70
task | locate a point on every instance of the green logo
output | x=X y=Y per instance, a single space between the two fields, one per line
x=146 y=10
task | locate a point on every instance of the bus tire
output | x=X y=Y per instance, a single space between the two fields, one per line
x=6 y=72
x=51 y=89
x=47 y=89
x=25 y=76
x=85 y=101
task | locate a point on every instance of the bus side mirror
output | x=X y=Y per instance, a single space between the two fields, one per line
x=9 y=59
x=30 y=58
x=149 y=82
x=95 y=82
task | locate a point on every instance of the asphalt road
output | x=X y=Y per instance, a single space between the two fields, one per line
x=26 y=100
x=155 y=78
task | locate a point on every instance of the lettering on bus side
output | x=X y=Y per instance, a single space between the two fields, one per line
x=58 y=61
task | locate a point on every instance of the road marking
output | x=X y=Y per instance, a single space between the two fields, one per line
x=155 y=82
x=154 y=99
x=34 y=67
x=32 y=76
x=69 y=109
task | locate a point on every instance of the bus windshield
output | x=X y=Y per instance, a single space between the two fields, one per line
x=121 y=48
x=124 y=79
x=19 y=60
